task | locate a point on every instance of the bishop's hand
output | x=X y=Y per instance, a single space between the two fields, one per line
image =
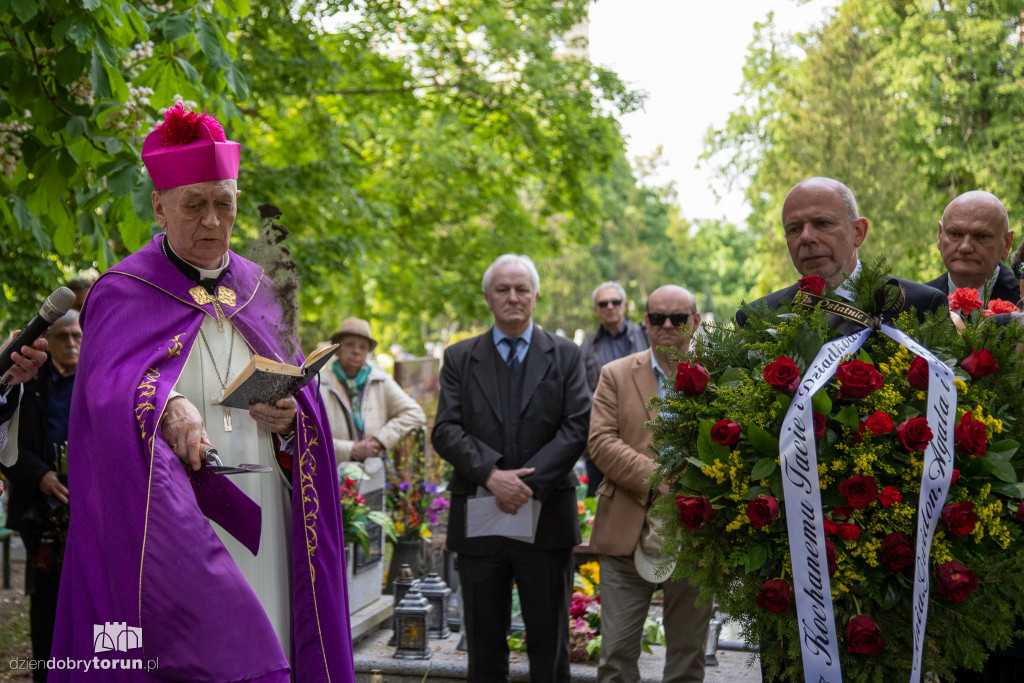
x=183 y=430
x=278 y=418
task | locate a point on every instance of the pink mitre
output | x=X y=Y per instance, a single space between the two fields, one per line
x=189 y=148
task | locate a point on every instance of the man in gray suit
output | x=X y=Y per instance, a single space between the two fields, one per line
x=512 y=420
x=974 y=239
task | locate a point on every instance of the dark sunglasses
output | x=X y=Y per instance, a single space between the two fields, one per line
x=658 y=319
x=1018 y=270
x=605 y=303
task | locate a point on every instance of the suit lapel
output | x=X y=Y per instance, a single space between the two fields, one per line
x=539 y=356
x=645 y=381
x=484 y=369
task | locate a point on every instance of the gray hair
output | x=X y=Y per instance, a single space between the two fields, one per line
x=519 y=259
x=605 y=285
x=67 y=320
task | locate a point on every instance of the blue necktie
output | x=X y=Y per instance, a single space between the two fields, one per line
x=512 y=360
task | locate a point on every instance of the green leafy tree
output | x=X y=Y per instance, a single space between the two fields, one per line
x=908 y=103
x=81 y=80
x=409 y=144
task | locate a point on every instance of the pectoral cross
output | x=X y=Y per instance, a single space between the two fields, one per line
x=227 y=419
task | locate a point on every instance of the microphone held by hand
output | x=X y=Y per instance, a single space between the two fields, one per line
x=56 y=305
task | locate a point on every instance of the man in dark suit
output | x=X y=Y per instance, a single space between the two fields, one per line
x=823 y=229
x=974 y=239
x=39 y=495
x=512 y=420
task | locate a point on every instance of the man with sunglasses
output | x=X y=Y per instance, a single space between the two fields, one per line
x=974 y=239
x=614 y=338
x=626 y=540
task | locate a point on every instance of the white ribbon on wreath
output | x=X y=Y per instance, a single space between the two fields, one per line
x=819 y=642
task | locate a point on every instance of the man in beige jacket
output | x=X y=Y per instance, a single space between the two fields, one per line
x=620 y=446
x=369 y=413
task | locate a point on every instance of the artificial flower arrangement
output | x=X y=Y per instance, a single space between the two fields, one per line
x=356 y=515
x=416 y=488
x=586 y=508
x=719 y=438
x=585 y=619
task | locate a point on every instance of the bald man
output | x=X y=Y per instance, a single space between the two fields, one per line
x=823 y=230
x=974 y=239
x=620 y=445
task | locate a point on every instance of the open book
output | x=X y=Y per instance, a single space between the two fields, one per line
x=266 y=381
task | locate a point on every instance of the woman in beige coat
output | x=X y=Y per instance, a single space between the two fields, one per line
x=369 y=413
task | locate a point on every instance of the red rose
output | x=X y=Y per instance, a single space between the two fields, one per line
x=960 y=518
x=965 y=300
x=917 y=375
x=843 y=512
x=955 y=581
x=691 y=380
x=693 y=511
x=762 y=511
x=956 y=475
x=775 y=596
x=783 y=374
x=859 y=491
x=832 y=555
x=863 y=636
x=914 y=434
x=1020 y=511
x=969 y=435
x=584 y=479
x=889 y=496
x=879 y=423
x=861 y=428
x=858 y=379
x=848 y=532
x=896 y=552
x=815 y=284
x=997 y=306
x=725 y=432
x=819 y=425
x=831 y=528
x=979 y=364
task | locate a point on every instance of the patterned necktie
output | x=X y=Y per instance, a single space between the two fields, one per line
x=512 y=360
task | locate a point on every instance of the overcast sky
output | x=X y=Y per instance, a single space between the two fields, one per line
x=688 y=57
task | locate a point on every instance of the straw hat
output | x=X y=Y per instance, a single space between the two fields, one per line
x=356 y=327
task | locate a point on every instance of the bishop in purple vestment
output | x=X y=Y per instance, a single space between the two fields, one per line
x=149 y=592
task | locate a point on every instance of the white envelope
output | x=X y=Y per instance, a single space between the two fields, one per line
x=483 y=518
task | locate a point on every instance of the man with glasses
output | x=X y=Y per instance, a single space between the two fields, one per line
x=37 y=468
x=974 y=239
x=626 y=539
x=614 y=338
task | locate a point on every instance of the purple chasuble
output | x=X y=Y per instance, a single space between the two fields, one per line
x=140 y=551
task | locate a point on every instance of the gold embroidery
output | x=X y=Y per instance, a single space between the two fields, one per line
x=175 y=348
x=310 y=499
x=144 y=403
x=224 y=296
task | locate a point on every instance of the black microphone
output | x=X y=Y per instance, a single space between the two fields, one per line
x=56 y=305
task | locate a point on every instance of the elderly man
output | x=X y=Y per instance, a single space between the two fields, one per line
x=974 y=239
x=36 y=466
x=620 y=445
x=512 y=420
x=614 y=338
x=213 y=578
x=823 y=229
x=369 y=413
